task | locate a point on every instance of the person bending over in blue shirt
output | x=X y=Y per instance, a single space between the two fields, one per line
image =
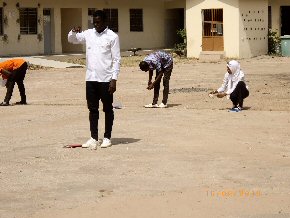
x=162 y=62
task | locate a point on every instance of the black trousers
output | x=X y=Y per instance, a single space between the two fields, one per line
x=17 y=76
x=166 y=78
x=96 y=91
x=239 y=94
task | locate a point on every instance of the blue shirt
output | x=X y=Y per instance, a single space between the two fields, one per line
x=159 y=61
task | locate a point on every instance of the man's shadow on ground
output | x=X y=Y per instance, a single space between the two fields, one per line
x=123 y=141
x=244 y=108
x=173 y=105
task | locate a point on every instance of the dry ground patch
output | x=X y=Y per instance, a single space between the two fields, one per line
x=193 y=159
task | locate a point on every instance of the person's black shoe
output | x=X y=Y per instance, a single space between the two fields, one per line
x=4 y=104
x=21 y=103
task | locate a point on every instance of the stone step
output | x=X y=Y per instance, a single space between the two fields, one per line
x=211 y=56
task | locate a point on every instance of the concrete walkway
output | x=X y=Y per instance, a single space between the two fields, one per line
x=41 y=61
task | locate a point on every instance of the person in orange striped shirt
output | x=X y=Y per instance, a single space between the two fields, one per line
x=14 y=71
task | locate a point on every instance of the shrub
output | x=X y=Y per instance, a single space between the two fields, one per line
x=180 y=48
x=274 y=43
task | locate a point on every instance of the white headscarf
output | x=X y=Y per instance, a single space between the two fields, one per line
x=235 y=68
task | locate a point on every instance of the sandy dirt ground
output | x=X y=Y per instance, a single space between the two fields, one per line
x=193 y=159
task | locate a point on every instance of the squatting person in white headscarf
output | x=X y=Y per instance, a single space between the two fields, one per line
x=234 y=86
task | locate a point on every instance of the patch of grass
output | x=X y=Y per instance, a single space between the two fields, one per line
x=80 y=61
x=36 y=67
x=133 y=61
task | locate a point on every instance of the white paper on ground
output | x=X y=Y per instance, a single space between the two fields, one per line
x=117 y=105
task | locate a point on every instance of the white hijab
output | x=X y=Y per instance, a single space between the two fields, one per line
x=235 y=67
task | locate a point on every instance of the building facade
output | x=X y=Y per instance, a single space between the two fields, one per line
x=32 y=27
x=238 y=28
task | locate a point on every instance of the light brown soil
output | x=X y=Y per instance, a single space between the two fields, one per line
x=193 y=159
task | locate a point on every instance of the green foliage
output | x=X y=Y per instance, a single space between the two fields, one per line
x=182 y=33
x=180 y=48
x=274 y=43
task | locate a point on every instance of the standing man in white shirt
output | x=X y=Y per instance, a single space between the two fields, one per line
x=103 y=67
x=233 y=86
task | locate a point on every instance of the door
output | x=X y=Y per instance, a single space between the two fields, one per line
x=70 y=17
x=174 y=21
x=47 y=31
x=285 y=18
x=213 y=34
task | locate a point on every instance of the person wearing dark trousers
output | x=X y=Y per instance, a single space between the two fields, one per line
x=96 y=91
x=103 y=67
x=162 y=62
x=234 y=86
x=239 y=94
x=14 y=71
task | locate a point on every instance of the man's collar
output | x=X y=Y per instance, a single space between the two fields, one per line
x=105 y=30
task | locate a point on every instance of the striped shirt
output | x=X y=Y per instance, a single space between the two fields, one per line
x=159 y=61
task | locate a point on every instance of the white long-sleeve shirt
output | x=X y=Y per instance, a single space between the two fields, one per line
x=230 y=82
x=102 y=53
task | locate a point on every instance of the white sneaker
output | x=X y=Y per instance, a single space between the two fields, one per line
x=162 y=105
x=91 y=144
x=151 y=105
x=106 y=143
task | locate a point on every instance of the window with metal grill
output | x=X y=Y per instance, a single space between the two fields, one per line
x=136 y=20
x=28 y=20
x=212 y=22
x=1 y=21
x=112 y=18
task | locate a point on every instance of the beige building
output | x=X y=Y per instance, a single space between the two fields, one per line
x=236 y=28
x=32 y=27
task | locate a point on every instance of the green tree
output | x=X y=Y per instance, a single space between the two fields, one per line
x=274 y=43
x=180 y=48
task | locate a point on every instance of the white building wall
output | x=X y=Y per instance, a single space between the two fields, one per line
x=151 y=37
x=153 y=24
x=27 y=43
x=231 y=28
x=245 y=26
x=175 y=4
x=236 y=43
x=253 y=28
x=194 y=25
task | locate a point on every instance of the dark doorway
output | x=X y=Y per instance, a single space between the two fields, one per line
x=70 y=17
x=285 y=18
x=47 y=30
x=174 y=21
